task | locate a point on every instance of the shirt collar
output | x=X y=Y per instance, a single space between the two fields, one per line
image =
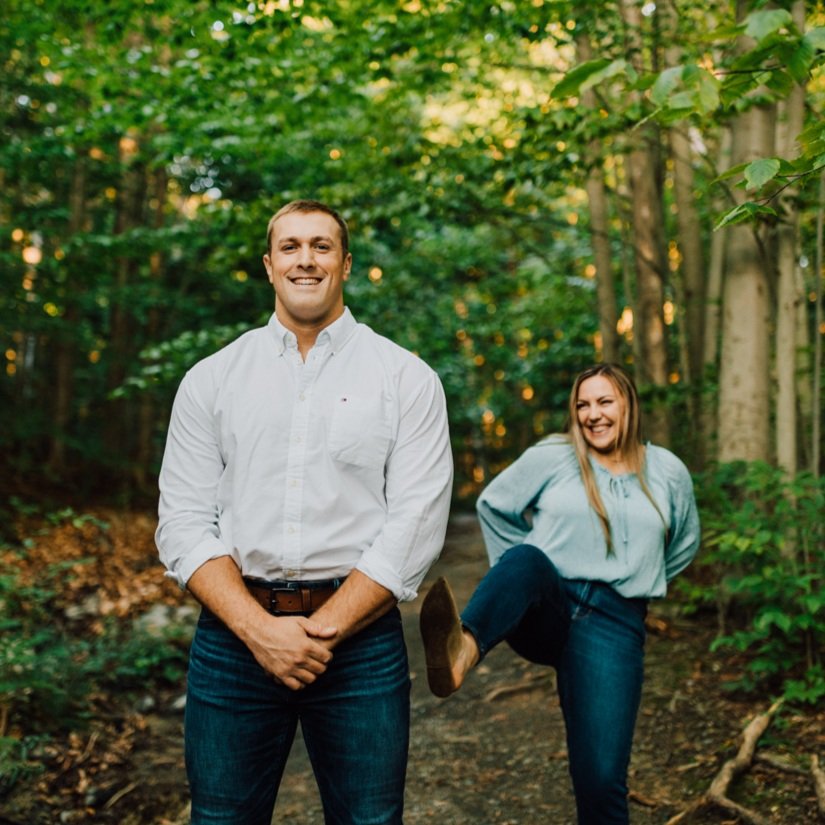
x=335 y=335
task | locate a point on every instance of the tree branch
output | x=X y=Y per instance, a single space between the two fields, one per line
x=716 y=796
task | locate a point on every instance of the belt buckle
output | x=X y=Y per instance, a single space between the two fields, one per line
x=273 y=595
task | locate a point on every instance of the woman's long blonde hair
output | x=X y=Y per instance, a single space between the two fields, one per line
x=629 y=441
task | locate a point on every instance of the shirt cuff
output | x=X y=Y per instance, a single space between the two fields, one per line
x=389 y=579
x=197 y=557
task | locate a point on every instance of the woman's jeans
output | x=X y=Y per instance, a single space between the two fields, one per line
x=240 y=724
x=595 y=639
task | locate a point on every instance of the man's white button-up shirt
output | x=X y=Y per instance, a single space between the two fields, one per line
x=306 y=470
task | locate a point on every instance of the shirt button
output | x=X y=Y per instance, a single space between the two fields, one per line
x=290 y=529
x=302 y=397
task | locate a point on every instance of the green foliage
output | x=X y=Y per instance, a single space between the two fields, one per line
x=163 y=365
x=18 y=760
x=758 y=60
x=48 y=672
x=764 y=546
x=744 y=212
x=143 y=150
x=52 y=668
x=589 y=74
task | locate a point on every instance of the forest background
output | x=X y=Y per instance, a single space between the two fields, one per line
x=530 y=186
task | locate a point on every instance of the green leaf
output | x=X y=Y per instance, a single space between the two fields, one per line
x=733 y=172
x=708 y=97
x=665 y=84
x=760 y=24
x=686 y=88
x=815 y=38
x=569 y=85
x=759 y=172
x=682 y=101
x=774 y=617
x=586 y=75
x=744 y=212
x=800 y=59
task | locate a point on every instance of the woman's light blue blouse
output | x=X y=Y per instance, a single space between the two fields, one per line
x=540 y=500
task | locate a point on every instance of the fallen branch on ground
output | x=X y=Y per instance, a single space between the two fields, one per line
x=527 y=683
x=779 y=764
x=716 y=796
x=119 y=795
x=645 y=801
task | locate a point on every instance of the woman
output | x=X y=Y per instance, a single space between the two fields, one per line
x=582 y=530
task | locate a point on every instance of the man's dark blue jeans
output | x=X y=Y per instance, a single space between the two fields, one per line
x=595 y=639
x=240 y=725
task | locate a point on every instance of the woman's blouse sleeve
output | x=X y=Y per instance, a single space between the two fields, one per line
x=684 y=534
x=504 y=504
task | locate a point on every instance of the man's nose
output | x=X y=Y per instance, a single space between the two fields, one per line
x=306 y=257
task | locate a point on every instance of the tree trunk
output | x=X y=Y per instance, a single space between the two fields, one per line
x=692 y=265
x=716 y=268
x=148 y=421
x=819 y=274
x=690 y=246
x=643 y=164
x=599 y=229
x=692 y=271
x=65 y=352
x=744 y=397
x=713 y=315
x=647 y=219
x=121 y=425
x=789 y=125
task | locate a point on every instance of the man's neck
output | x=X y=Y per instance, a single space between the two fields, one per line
x=306 y=334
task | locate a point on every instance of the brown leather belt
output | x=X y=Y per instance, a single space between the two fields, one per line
x=291 y=597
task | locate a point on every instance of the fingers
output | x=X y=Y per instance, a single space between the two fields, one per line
x=292 y=653
x=318 y=631
x=299 y=676
x=294 y=682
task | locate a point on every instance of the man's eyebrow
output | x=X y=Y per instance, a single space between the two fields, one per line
x=314 y=239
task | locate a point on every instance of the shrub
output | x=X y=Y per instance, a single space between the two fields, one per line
x=763 y=542
x=51 y=670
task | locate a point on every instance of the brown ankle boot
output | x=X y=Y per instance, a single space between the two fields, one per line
x=442 y=635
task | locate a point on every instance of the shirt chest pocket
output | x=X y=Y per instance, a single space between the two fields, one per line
x=359 y=432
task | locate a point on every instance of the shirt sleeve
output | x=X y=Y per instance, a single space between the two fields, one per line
x=187 y=533
x=418 y=489
x=504 y=504
x=684 y=535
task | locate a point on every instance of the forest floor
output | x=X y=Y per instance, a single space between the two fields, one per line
x=493 y=753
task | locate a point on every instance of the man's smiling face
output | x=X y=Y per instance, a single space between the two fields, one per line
x=307 y=267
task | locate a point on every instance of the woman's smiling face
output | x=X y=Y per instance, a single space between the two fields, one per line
x=600 y=411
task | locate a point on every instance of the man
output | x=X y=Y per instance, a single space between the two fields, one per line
x=305 y=490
